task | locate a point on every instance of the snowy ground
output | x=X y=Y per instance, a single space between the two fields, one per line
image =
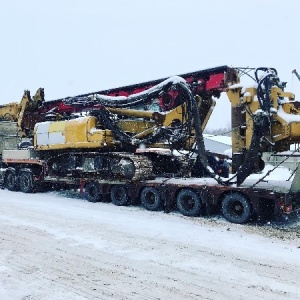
x=58 y=247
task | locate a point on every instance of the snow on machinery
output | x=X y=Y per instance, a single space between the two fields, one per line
x=160 y=114
x=115 y=133
x=121 y=142
x=265 y=118
x=157 y=114
x=173 y=113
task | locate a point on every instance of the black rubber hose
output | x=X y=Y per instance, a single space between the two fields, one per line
x=263 y=69
x=201 y=152
x=161 y=132
x=139 y=98
x=260 y=124
x=263 y=97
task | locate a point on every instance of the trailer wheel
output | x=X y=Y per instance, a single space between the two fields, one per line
x=25 y=182
x=236 y=208
x=189 y=203
x=150 y=198
x=11 y=181
x=119 y=195
x=92 y=192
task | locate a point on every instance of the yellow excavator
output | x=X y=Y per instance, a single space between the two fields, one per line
x=14 y=112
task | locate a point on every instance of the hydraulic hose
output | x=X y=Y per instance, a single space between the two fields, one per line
x=260 y=124
x=139 y=98
x=177 y=134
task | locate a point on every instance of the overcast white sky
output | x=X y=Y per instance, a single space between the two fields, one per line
x=71 y=47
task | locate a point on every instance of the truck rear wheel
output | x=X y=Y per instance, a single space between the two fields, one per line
x=92 y=192
x=236 y=208
x=150 y=198
x=25 y=182
x=119 y=195
x=189 y=203
x=11 y=181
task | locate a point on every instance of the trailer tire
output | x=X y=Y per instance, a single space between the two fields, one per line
x=150 y=198
x=92 y=192
x=119 y=195
x=189 y=203
x=236 y=208
x=26 y=182
x=11 y=182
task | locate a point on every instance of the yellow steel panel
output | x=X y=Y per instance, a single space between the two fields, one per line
x=174 y=114
x=57 y=126
x=135 y=126
x=77 y=130
x=295 y=129
x=233 y=95
x=101 y=137
x=79 y=134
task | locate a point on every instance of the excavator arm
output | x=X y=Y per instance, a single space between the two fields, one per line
x=28 y=106
x=16 y=112
x=169 y=113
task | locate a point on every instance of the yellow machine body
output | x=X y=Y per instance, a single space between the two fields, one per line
x=75 y=134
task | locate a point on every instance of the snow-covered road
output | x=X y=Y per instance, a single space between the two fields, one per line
x=56 y=247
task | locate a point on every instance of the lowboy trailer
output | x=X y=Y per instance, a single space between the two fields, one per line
x=274 y=200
